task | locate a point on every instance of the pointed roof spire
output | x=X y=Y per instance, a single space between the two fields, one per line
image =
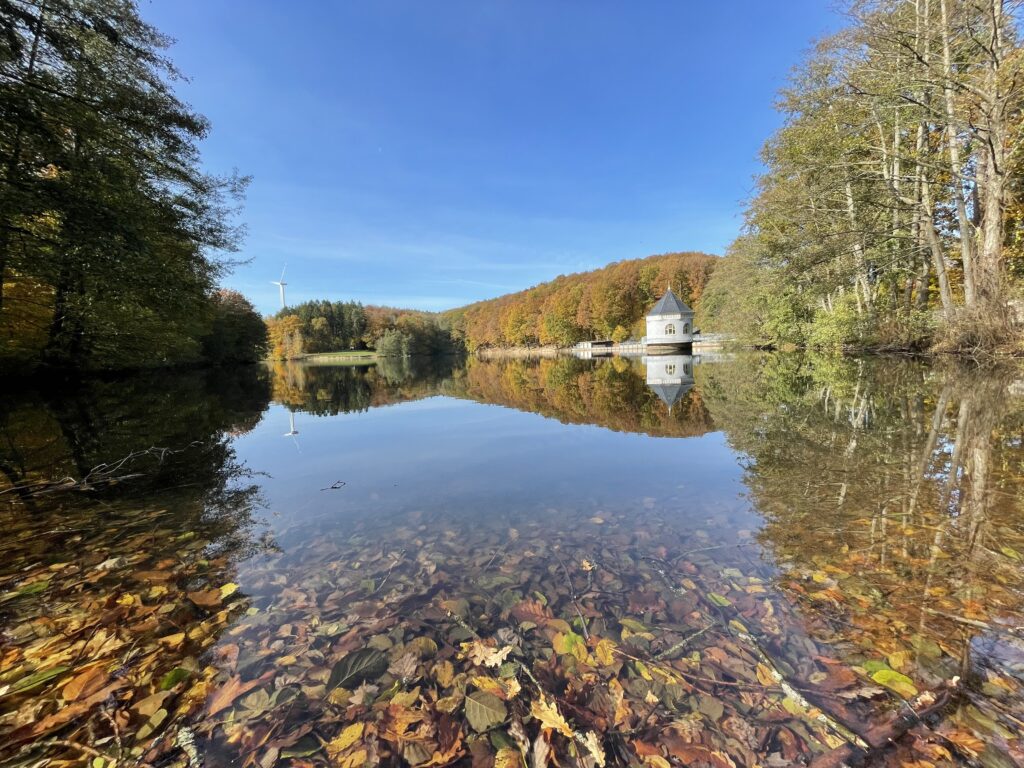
x=669 y=304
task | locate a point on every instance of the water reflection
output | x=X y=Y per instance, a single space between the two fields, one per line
x=892 y=495
x=831 y=538
x=670 y=377
x=125 y=513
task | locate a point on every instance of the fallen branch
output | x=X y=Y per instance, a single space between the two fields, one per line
x=99 y=476
x=880 y=737
x=572 y=594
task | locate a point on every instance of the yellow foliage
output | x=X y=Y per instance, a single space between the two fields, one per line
x=549 y=717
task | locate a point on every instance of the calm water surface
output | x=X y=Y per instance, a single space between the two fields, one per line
x=758 y=560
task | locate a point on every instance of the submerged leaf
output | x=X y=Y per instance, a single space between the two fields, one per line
x=484 y=710
x=895 y=681
x=547 y=713
x=36 y=679
x=349 y=736
x=358 y=667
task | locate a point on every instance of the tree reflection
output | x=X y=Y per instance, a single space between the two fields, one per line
x=327 y=390
x=610 y=393
x=111 y=592
x=892 y=497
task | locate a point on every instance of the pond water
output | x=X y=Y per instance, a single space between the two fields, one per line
x=754 y=560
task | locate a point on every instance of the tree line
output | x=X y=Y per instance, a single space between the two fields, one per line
x=110 y=231
x=889 y=213
x=610 y=302
x=325 y=326
x=604 y=303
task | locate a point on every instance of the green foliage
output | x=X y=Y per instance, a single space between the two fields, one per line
x=324 y=326
x=857 y=235
x=837 y=326
x=328 y=326
x=237 y=332
x=108 y=225
x=395 y=343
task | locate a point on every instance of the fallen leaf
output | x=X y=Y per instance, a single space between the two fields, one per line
x=484 y=710
x=225 y=696
x=549 y=717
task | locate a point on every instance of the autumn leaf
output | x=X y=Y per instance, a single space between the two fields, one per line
x=444 y=672
x=604 y=651
x=593 y=745
x=549 y=717
x=570 y=643
x=508 y=757
x=361 y=666
x=225 y=696
x=85 y=683
x=70 y=712
x=348 y=736
x=404 y=668
x=206 y=598
x=484 y=711
x=895 y=681
x=484 y=655
x=504 y=689
x=355 y=759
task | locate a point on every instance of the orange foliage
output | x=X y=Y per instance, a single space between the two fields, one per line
x=589 y=305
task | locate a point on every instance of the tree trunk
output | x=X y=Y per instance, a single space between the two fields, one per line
x=956 y=162
x=14 y=161
x=994 y=192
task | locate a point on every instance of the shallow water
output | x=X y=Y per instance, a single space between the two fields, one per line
x=738 y=561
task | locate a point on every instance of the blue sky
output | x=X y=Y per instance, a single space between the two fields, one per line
x=430 y=154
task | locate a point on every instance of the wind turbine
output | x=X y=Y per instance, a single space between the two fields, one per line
x=281 y=284
x=292 y=431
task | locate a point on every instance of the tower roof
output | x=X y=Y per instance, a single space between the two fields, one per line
x=671 y=394
x=669 y=304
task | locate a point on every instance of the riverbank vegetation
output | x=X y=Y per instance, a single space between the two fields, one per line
x=109 y=228
x=604 y=303
x=889 y=212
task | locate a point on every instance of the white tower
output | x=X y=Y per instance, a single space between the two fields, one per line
x=670 y=322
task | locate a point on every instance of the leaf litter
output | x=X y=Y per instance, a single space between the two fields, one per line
x=620 y=637
x=424 y=643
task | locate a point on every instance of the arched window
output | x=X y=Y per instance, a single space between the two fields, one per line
x=670 y=330
x=686 y=327
x=670 y=370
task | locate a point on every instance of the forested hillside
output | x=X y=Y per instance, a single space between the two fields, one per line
x=605 y=303
x=109 y=226
x=889 y=213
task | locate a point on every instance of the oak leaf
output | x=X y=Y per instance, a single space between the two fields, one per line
x=482 y=654
x=593 y=746
x=549 y=717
